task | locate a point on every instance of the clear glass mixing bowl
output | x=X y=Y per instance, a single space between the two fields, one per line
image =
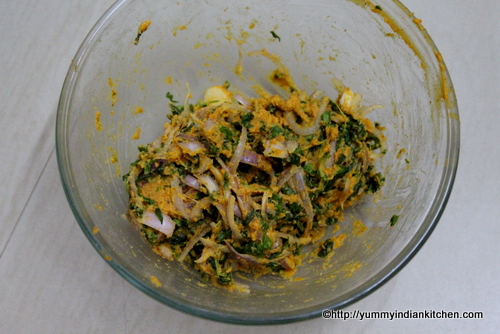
x=380 y=51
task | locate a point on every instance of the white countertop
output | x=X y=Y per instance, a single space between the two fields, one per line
x=53 y=281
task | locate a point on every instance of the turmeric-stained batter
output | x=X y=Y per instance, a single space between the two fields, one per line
x=243 y=184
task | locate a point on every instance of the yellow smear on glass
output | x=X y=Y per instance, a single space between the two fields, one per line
x=181 y=27
x=137 y=134
x=358 y=227
x=113 y=95
x=350 y=268
x=338 y=240
x=418 y=22
x=155 y=281
x=97 y=121
x=444 y=85
x=168 y=80
x=114 y=156
x=197 y=45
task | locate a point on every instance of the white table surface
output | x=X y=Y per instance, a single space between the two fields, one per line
x=53 y=281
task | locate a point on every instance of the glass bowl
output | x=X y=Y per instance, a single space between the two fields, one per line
x=115 y=87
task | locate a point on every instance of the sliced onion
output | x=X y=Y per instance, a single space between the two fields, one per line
x=193 y=242
x=275 y=149
x=230 y=218
x=170 y=131
x=222 y=210
x=316 y=93
x=265 y=195
x=253 y=259
x=196 y=212
x=242 y=100
x=237 y=211
x=238 y=152
x=209 y=183
x=277 y=244
x=333 y=149
x=205 y=163
x=187 y=137
x=286 y=175
x=166 y=251
x=287 y=236
x=315 y=124
x=209 y=124
x=178 y=202
x=304 y=196
x=191 y=146
x=212 y=244
x=234 y=184
x=257 y=160
x=302 y=130
x=166 y=227
x=244 y=257
x=250 y=158
x=191 y=181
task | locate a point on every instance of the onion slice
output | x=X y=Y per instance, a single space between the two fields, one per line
x=230 y=218
x=298 y=179
x=242 y=100
x=178 y=202
x=331 y=157
x=286 y=175
x=238 y=152
x=315 y=124
x=166 y=227
x=209 y=183
x=193 y=242
x=192 y=146
x=257 y=160
x=191 y=181
x=253 y=259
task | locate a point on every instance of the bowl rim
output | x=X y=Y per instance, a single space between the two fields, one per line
x=379 y=279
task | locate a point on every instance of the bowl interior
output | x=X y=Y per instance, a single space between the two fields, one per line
x=379 y=52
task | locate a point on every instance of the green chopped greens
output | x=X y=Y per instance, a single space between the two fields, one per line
x=275 y=36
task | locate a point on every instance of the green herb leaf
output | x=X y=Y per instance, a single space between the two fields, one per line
x=287 y=190
x=249 y=217
x=325 y=248
x=276 y=131
x=246 y=119
x=176 y=110
x=159 y=215
x=309 y=169
x=170 y=97
x=275 y=36
x=294 y=159
x=325 y=117
x=225 y=278
x=227 y=132
x=394 y=220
